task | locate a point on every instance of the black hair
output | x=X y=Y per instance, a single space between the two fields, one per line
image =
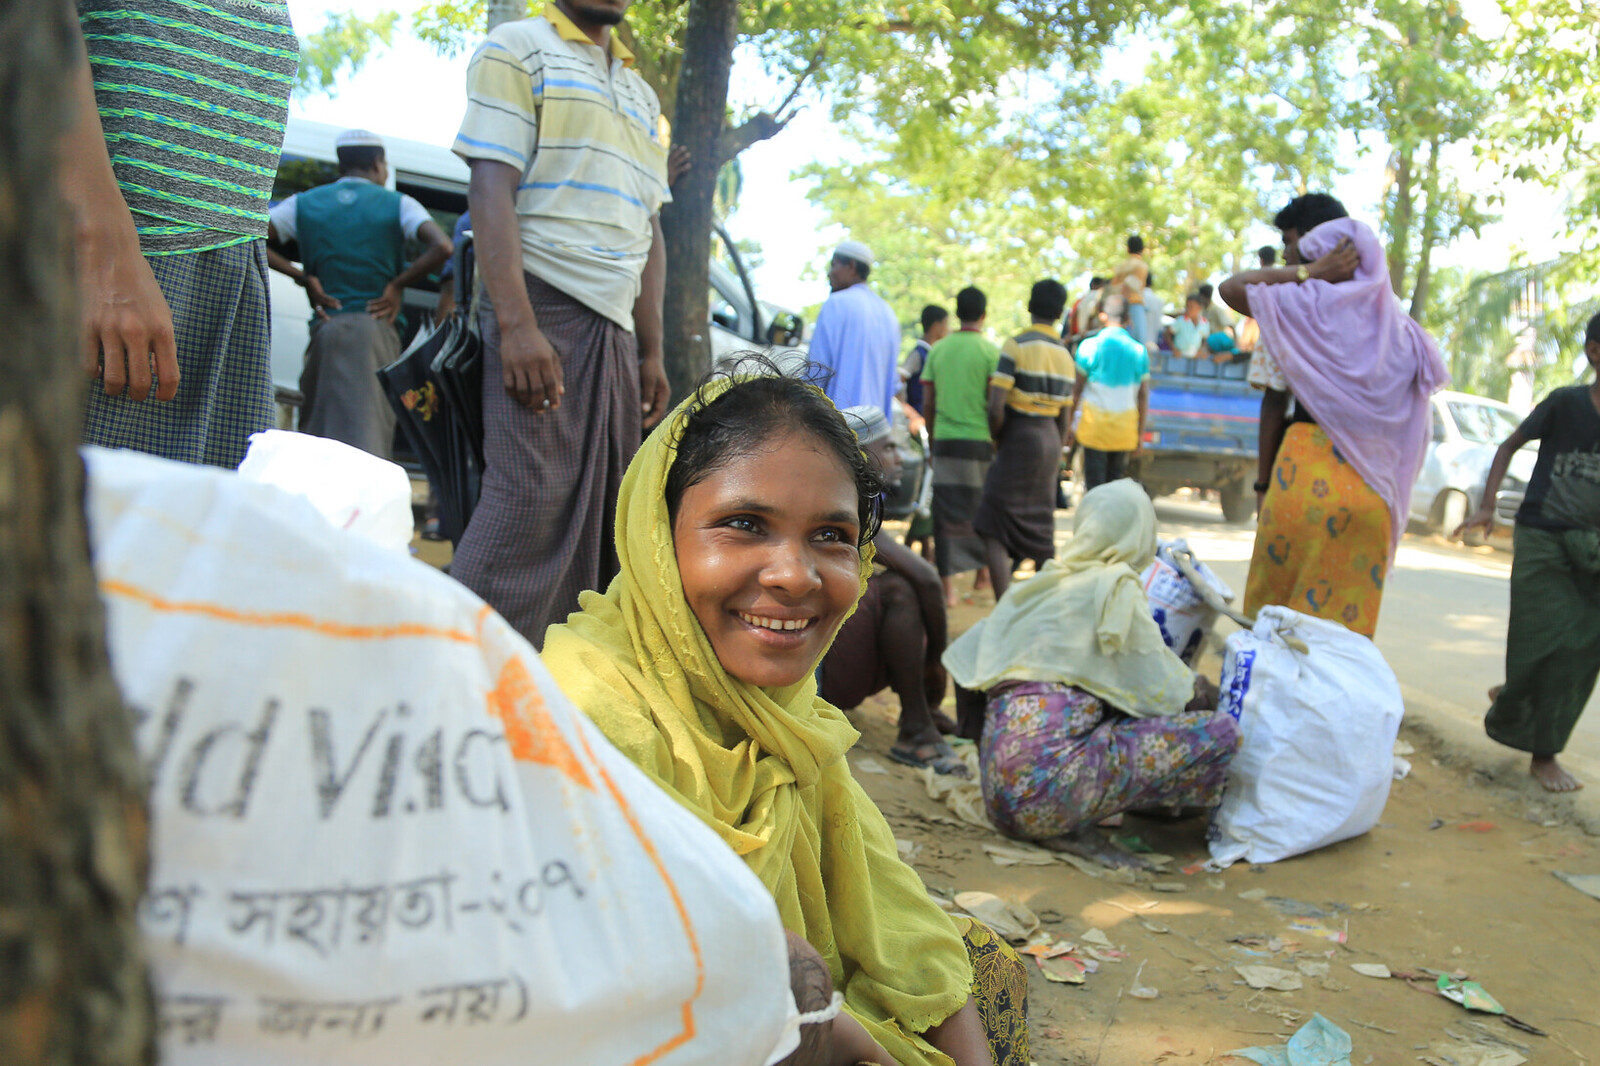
x=1149 y=279
x=1096 y=282
x=1305 y=213
x=1047 y=300
x=1114 y=306
x=1196 y=297
x=1205 y=290
x=353 y=157
x=1591 y=334
x=1135 y=244
x=932 y=315
x=764 y=403
x=971 y=304
x=1268 y=254
x=863 y=271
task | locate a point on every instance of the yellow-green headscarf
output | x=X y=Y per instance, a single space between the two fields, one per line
x=1084 y=619
x=765 y=768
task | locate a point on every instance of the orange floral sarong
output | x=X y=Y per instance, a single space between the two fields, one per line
x=1322 y=541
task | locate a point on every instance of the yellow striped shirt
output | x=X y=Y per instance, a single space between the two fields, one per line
x=1037 y=370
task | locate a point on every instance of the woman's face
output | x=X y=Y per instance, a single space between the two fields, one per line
x=766 y=547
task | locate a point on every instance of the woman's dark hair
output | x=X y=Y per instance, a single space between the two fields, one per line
x=932 y=315
x=1047 y=300
x=762 y=404
x=971 y=304
x=1305 y=213
x=1591 y=335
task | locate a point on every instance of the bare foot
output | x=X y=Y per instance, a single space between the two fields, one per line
x=981 y=581
x=1552 y=775
x=1494 y=693
x=1089 y=843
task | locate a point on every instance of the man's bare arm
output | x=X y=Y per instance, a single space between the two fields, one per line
x=530 y=367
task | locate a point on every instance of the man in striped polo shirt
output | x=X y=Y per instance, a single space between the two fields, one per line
x=179 y=118
x=568 y=173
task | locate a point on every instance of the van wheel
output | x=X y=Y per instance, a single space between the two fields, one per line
x=1237 y=504
x=1452 y=511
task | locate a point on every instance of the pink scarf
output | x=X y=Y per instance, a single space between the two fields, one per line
x=1358 y=362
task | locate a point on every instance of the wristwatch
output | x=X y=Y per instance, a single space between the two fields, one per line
x=1262 y=486
x=1301 y=273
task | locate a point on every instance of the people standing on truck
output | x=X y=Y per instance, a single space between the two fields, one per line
x=1553 y=636
x=568 y=173
x=352 y=234
x=898 y=631
x=1189 y=331
x=1112 y=395
x=1128 y=281
x=1155 y=315
x=1030 y=413
x=1336 y=467
x=167 y=167
x=955 y=386
x=1081 y=318
x=1220 y=341
x=856 y=336
x=935 y=328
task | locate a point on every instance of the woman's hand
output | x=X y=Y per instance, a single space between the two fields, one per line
x=1338 y=265
x=1482 y=518
x=1205 y=694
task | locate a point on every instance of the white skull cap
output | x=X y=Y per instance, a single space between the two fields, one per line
x=854 y=250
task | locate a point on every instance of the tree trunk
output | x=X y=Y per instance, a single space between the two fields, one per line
x=1430 y=233
x=699 y=115
x=506 y=11
x=73 y=985
x=1400 y=219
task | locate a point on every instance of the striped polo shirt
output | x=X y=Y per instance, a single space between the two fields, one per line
x=582 y=128
x=193 y=97
x=1037 y=371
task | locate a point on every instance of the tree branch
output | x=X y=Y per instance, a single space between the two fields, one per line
x=758 y=127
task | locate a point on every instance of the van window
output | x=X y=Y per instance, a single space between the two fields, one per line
x=1481 y=423
x=296 y=174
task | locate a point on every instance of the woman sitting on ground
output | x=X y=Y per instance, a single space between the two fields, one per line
x=744 y=532
x=1088 y=712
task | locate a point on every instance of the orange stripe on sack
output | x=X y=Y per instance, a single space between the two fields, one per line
x=530 y=731
x=283 y=619
x=688 y=1032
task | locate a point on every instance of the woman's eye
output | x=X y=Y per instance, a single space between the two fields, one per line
x=835 y=536
x=744 y=524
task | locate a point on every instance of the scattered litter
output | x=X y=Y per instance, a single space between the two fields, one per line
x=1014 y=921
x=1404 y=747
x=1050 y=916
x=1588 y=884
x=1138 y=991
x=1192 y=869
x=1134 y=844
x=1371 y=969
x=1168 y=886
x=1456 y=1054
x=1105 y=954
x=1319 y=930
x=1437 y=823
x=1154 y=927
x=908 y=849
x=1063 y=970
x=866 y=764
x=1318 y=1043
x=1216 y=883
x=1470 y=994
x=1114 y=874
x=1312 y=967
x=1270 y=977
x=1013 y=855
x=1097 y=938
x=964 y=796
x=1477 y=827
x=1294 y=908
x=1042 y=946
x=1402 y=768
x=1254 y=895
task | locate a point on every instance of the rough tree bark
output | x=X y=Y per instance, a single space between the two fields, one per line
x=698 y=118
x=73 y=985
x=1423 y=288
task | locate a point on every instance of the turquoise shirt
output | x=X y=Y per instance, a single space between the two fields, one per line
x=351 y=239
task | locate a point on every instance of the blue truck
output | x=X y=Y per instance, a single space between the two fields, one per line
x=1201 y=433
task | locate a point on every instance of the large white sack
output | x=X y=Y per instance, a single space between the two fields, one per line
x=381 y=834
x=1319 y=728
x=1180 y=612
x=355 y=491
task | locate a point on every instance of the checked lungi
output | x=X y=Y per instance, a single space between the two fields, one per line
x=959 y=467
x=218 y=300
x=543 y=528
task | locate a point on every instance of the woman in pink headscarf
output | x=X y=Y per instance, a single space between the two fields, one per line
x=1344 y=420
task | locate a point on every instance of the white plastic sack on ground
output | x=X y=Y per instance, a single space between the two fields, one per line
x=1319 y=729
x=354 y=490
x=381 y=834
x=1183 y=617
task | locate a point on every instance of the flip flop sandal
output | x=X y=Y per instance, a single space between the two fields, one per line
x=943 y=760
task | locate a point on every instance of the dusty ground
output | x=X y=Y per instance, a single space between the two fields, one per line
x=1457 y=877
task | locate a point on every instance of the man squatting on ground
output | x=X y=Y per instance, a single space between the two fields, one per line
x=568 y=174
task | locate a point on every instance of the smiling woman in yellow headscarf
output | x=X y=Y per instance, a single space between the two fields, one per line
x=743 y=533
x=1089 y=712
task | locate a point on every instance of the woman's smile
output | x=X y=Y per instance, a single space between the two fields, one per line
x=766 y=548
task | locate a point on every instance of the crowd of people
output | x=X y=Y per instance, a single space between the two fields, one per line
x=713 y=593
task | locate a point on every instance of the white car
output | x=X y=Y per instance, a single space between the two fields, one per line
x=1466 y=432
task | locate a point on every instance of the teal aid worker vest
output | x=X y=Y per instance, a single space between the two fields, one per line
x=350 y=239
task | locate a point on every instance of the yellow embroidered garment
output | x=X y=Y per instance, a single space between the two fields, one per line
x=1084 y=619
x=763 y=767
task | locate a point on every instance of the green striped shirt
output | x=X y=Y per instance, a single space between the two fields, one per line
x=193 y=97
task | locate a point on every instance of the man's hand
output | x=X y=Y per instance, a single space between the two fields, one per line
x=1482 y=519
x=678 y=160
x=127 y=325
x=320 y=299
x=385 y=307
x=1338 y=265
x=530 y=368
x=654 y=392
